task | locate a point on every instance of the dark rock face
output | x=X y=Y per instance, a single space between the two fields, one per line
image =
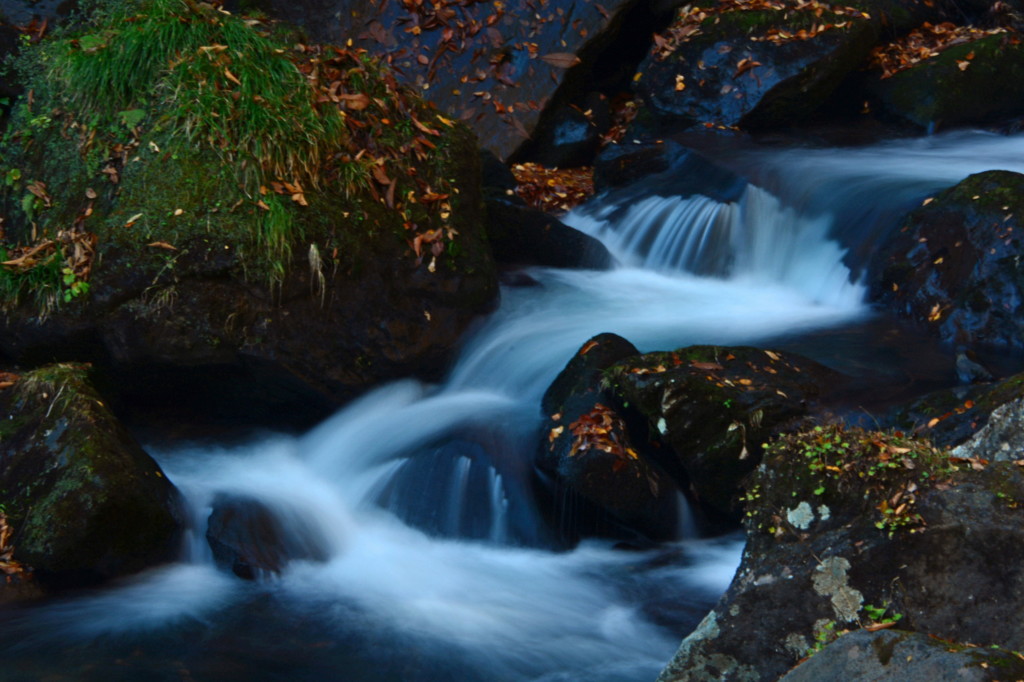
x=952 y=416
x=731 y=72
x=251 y=540
x=495 y=67
x=714 y=406
x=910 y=656
x=938 y=93
x=589 y=452
x=824 y=545
x=521 y=235
x=665 y=168
x=953 y=264
x=85 y=501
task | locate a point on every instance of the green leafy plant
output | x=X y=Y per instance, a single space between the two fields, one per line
x=73 y=285
x=880 y=614
x=823 y=636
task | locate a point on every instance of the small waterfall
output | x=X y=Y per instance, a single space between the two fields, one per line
x=756 y=239
x=434 y=561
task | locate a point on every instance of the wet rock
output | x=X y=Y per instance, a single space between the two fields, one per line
x=599 y=478
x=895 y=654
x=571 y=136
x=521 y=235
x=252 y=540
x=667 y=168
x=737 y=68
x=846 y=526
x=714 y=407
x=952 y=416
x=939 y=93
x=85 y=501
x=952 y=265
x=495 y=67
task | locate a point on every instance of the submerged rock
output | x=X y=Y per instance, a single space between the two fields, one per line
x=86 y=503
x=253 y=540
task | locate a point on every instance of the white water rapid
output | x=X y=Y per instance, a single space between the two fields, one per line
x=437 y=565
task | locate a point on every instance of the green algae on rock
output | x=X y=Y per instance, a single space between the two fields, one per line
x=84 y=499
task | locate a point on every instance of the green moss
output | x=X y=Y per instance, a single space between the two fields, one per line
x=165 y=121
x=939 y=92
x=79 y=489
x=852 y=473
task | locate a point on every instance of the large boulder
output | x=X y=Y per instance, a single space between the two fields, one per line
x=728 y=66
x=494 y=65
x=522 y=235
x=84 y=500
x=329 y=246
x=973 y=83
x=600 y=476
x=952 y=265
x=848 y=528
x=714 y=406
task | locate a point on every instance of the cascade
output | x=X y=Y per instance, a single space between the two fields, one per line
x=438 y=564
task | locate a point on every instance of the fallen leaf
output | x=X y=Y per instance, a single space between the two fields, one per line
x=561 y=60
x=163 y=245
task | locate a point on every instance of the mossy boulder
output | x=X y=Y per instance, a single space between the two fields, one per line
x=598 y=472
x=849 y=529
x=975 y=83
x=952 y=265
x=84 y=499
x=753 y=69
x=714 y=406
x=236 y=200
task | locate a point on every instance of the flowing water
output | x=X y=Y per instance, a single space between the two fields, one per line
x=438 y=564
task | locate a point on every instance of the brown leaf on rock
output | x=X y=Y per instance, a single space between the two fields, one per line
x=561 y=60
